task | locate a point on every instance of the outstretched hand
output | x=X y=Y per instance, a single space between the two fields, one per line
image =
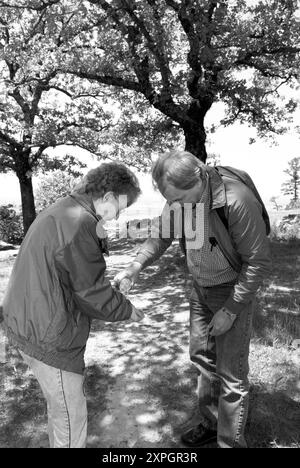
x=130 y=273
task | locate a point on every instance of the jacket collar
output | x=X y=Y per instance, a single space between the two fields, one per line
x=86 y=201
x=217 y=189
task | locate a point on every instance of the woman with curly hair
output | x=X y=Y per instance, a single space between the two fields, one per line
x=58 y=286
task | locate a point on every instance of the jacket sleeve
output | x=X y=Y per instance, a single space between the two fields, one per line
x=83 y=263
x=162 y=236
x=248 y=233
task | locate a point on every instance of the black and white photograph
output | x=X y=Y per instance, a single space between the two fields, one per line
x=150 y=226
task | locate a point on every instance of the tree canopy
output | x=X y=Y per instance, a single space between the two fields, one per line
x=183 y=56
x=162 y=64
x=40 y=108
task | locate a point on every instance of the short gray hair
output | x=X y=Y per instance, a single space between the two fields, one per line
x=178 y=168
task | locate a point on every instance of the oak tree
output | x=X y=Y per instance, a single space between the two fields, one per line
x=182 y=56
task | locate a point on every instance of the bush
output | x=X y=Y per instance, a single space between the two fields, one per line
x=293 y=205
x=290 y=226
x=287 y=229
x=11 y=225
x=52 y=187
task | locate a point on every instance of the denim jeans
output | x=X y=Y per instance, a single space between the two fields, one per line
x=222 y=365
x=66 y=404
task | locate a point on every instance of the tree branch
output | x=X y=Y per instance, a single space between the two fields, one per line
x=156 y=51
x=107 y=80
x=39 y=153
x=79 y=145
x=131 y=34
x=283 y=82
x=11 y=141
x=288 y=50
x=211 y=9
x=12 y=69
x=174 y=5
x=162 y=102
x=77 y=96
x=188 y=25
x=28 y=110
x=61 y=90
x=35 y=26
x=266 y=72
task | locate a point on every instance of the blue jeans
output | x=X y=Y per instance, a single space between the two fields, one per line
x=66 y=404
x=222 y=364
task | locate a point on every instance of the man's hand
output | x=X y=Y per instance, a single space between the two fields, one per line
x=137 y=315
x=222 y=322
x=131 y=273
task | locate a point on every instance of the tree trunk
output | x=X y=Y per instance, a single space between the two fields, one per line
x=28 y=206
x=195 y=138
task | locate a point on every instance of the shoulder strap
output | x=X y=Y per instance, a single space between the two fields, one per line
x=222 y=216
x=244 y=177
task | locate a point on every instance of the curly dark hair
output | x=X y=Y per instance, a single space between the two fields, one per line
x=110 y=177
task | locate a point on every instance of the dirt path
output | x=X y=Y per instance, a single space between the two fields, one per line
x=138 y=358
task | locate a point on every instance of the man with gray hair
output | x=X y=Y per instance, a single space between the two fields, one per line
x=228 y=264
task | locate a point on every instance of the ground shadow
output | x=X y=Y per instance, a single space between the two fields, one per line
x=274 y=419
x=23 y=409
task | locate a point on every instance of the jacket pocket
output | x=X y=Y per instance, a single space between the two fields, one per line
x=69 y=302
x=56 y=327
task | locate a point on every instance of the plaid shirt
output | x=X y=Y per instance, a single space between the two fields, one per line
x=208 y=265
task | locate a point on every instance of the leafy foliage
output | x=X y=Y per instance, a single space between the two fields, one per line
x=183 y=56
x=67 y=163
x=213 y=159
x=52 y=187
x=11 y=230
x=39 y=108
x=288 y=228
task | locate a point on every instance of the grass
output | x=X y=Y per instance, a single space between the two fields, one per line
x=277 y=321
x=139 y=381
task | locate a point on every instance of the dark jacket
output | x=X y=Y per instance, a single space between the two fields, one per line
x=58 y=286
x=244 y=244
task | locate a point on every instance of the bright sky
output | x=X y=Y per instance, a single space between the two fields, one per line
x=263 y=161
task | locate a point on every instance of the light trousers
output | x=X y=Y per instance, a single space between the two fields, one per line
x=66 y=404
